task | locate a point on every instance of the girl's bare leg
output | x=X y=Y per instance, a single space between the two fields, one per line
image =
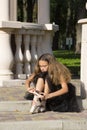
x=46 y=88
x=36 y=104
x=40 y=85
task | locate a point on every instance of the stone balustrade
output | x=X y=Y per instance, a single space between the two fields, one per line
x=31 y=40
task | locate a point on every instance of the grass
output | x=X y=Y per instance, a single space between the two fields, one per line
x=70 y=59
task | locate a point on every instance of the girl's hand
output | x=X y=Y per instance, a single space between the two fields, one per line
x=42 y=97
x=46 y=96
x=39 y=94
x=31 y=89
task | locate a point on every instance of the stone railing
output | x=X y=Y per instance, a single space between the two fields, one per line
x=31 y=40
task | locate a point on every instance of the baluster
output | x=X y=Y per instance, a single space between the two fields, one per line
x=27 y=55
x=18 y=55
x=33 y=51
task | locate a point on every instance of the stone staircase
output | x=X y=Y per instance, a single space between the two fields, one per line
x=14 y=111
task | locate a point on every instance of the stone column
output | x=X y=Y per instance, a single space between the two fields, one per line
x=4 y=10
x=84 y=58
x=13 y=10
x=83 y=23
x=6 y=57
x=43 y=11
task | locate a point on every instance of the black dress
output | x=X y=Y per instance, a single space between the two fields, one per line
x=64 y=103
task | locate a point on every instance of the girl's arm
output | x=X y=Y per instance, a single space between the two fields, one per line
x=29 y=80
x=62 y=91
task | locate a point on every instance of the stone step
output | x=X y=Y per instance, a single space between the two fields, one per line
x=45 y=125
x=19 y=82
x=14 y=83
x=18 y=117
x=14 y=90
x=32 y=125
x=15 y=115
x=26 y=105
x=12 y=95
x=15 y=106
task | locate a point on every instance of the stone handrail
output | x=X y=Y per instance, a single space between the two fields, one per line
x=36 y=39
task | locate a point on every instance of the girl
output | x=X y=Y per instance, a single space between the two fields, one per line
x=53 y=79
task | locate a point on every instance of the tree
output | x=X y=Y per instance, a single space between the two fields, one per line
x=25 y=10
x=66 y=13
x=30 y=10
x=59 y=18
x=20 y=13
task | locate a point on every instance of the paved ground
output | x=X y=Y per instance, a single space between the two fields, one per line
x=12 y=93
x=17 y=94
x=26 y=116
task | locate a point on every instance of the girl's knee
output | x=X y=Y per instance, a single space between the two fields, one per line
x=40 y=84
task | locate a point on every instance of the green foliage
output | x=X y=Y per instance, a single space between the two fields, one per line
x=25 y=10
x=20 y=10
x=66 y=13
x=69 y=59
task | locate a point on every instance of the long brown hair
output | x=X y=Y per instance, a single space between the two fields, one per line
x=56 y=70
